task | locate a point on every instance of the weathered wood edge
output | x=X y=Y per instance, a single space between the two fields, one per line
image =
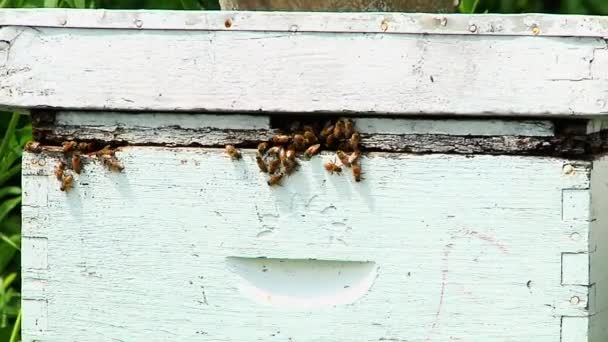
x=569 y=138
x=408 y=23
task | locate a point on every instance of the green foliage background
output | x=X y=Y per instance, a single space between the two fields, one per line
x=16 y=129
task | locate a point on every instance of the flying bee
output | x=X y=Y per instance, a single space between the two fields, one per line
x=68 y=146
x=354 y=141
x=67 y=182
x=273 y=165
x=343 y=158
x=59 y=169
x=262 y=148
x=275 y=179
x=332 y=167
x=261 y=164
x=76 y=163
x=233 y=152
x=354 y=157
x=349 y=128
x=356 y=171
x=280 y=139
x=298 y=141
x=339 y=129
x=310 y=138
x=33 y=147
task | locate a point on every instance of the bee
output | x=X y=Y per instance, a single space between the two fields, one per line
x=327 y=130
x=354 y=157
x=349 y=128
x=67 y=182
x=85 y=147
x=273 y=165
x=332 y=167
x=261 y=164
x=33 y=147
x=233 y=152
x=275 y=179
x=76 y=163
x=282 y=154
x=339 y=129
x=298 y=141
x=112 y=163
x=262 y=148
x=280 y=139
x=68 y=146
x=356 y=171
x=291 y=154
x=310 y=138
x=312 y=150
x=354 y=141
x=59 y=168
x=106 y=151
x=274 y=150
x=308 y=128
x=289 y=166
x=343 y=158
x=330 y=140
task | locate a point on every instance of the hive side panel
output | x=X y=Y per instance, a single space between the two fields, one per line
x=302 y=72
x=183 y=229
x=599 y=246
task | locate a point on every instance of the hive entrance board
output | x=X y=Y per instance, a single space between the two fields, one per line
x=481 y=216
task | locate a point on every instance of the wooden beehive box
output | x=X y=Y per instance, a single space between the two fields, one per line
x=482 y=215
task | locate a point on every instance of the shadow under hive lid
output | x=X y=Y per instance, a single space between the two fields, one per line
x=341 y=5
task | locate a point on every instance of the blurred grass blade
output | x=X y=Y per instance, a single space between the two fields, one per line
x=10 y=131
x=51 y=3
x=16 y=328
x=8 y=205
x=10 y=173
x=80 y=4
x=10 y=190
x=10 y=242
x=9 y=280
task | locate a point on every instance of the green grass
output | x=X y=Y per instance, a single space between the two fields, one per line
x=16 y=130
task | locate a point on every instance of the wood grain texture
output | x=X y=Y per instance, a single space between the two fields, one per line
x=341 y=5
x=472 y=249
x=303 y=72
x=413 y=23
x=599 y=247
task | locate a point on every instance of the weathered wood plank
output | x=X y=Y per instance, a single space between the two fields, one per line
x=411 y=23
x=473 y=230
x=599 y=247
x=302 y=72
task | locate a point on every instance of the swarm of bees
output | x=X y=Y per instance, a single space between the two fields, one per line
x=277 y=157
x=71 y=163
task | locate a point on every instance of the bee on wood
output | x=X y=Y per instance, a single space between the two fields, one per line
x=85 y=147
x=356 y=171
x=59 y=169
x=282 y=154
x=112 y=163
x=291 y=154
x=349 y=128
x=68 y=146
x=262 y=148
x=289 y=166
x=275 y=179
x=312 y=150
x=261 y=164
x=298 y=141
x=327 y=130
x=274 y=165
x=310 y=138
x=233 y=152
x=106 y=151
x=354 y=141
x=33 y=147
x=330 y=140
x=67 y=182
x=332 y=167
x=280 y=139
x=354 y=157
x=76 y=163
x=338 y=130
x=343 y=158
x=274 y=150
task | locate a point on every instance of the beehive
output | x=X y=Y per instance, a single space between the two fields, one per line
x=481 y=215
